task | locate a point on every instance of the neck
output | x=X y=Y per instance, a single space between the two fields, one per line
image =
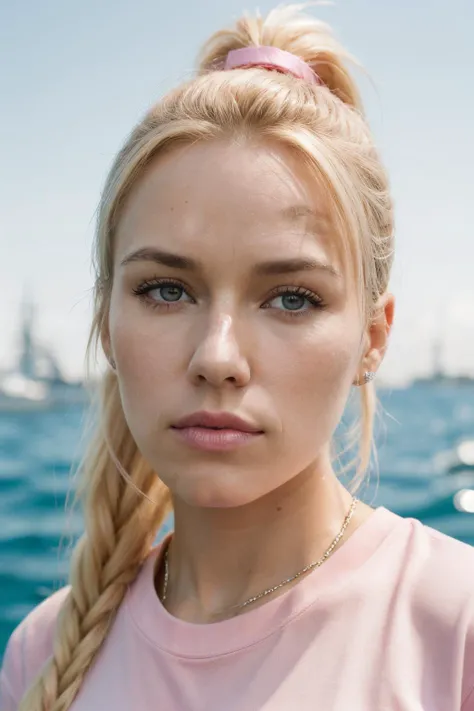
x=218 y=558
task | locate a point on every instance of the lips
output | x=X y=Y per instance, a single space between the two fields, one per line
x=217 y=421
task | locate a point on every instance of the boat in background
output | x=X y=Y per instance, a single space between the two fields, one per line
x=36 y=381
x=439 y=375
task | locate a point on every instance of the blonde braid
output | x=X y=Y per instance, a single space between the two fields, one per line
x=120 y=526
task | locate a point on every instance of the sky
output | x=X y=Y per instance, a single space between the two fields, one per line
x=77 y=76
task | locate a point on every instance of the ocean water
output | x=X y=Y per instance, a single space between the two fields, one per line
x=37 y=451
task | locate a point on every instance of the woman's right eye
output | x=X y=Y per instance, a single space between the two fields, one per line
x=169 y=293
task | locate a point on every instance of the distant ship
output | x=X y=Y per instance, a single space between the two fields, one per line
x=439 y=376
x=36 y=382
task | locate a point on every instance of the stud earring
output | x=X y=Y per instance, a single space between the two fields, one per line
x=369 y=375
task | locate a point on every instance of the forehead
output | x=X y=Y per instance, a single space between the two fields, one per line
x=220 y=194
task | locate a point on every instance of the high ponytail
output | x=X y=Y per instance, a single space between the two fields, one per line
x=302 y=35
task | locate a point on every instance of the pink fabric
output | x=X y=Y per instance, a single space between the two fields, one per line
x=271 y=58
x=386 y=624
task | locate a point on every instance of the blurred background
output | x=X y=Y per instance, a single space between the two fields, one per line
x=76 y=78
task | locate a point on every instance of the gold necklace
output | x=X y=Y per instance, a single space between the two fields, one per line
x=268 y=591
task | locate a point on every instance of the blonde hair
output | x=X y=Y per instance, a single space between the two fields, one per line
x=326 y=127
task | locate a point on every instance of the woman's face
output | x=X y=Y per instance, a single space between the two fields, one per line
x=239 y=326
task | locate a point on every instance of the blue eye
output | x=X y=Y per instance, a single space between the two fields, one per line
x=293 y=302
x=170 y=292
x=294 y=298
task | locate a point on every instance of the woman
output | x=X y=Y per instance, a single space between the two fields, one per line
x=243 y=253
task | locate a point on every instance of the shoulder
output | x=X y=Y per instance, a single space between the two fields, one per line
x=443 y=563
x=431 y=569
x=419 y=554
x=29 y=647
x=435 y=574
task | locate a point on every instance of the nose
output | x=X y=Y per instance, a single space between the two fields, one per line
x=218 y=357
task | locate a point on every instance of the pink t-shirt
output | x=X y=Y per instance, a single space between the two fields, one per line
x=386 y=624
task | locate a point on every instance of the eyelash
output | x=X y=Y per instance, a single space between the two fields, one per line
x=148 y=285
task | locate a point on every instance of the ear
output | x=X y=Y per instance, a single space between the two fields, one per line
x=378 y=333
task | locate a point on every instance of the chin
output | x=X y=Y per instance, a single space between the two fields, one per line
x=208 y=492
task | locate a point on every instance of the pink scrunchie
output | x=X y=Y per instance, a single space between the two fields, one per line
x=271 y=58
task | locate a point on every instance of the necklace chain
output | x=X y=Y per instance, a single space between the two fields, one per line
x=268 y=591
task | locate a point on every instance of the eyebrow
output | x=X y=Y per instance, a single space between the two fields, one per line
x=267 y=268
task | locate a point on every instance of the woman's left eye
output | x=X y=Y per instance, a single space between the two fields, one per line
x=170 y=293
x=293 y=299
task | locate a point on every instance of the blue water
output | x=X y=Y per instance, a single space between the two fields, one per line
x=37 y=451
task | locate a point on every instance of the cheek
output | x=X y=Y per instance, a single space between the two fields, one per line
x=146 y=382
x=147 y=363
x=142 y=347
x=313 y=378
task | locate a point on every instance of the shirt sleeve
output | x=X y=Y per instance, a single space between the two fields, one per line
x=7 y=701
x=468 y=695
x=11 y=681
x=28 y=648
